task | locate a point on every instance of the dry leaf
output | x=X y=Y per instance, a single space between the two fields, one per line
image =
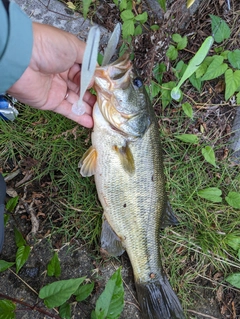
x=71 y=5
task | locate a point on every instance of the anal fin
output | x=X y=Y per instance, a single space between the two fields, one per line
x=110 y=242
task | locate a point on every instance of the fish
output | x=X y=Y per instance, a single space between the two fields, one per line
x=127 y=163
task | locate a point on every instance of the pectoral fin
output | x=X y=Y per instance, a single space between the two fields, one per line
x=126 y=158
x=88 y=162
x=168 y=218
x=110 y=242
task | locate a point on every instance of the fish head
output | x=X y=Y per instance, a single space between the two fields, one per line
x=122 y=98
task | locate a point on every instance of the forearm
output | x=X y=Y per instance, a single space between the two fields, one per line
x=16 y=41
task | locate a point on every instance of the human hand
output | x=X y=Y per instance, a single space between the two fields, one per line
x=51 y=81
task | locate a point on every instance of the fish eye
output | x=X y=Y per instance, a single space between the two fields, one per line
x=138 y=82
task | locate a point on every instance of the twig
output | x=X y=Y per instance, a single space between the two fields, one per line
x=201 y=314
x=25 y=283
x=46 y=313
x=71 y=207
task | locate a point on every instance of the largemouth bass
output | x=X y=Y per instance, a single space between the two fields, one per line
x=126 y=161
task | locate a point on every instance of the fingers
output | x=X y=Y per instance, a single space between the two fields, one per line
x=73 y=78
x=65 y=109
x=88 y=98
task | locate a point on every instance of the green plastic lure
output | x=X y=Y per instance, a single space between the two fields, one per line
x=193 y=65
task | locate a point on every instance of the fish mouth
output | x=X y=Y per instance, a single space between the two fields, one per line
x=114 y=76
x=113 y=86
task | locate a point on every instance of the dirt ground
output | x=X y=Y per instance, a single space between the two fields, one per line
x=76 y=258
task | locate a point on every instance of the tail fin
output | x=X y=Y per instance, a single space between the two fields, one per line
x=158 y=300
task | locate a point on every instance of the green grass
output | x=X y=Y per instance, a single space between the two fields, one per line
x=56 y=144
x=198 y=244
x=188 y=250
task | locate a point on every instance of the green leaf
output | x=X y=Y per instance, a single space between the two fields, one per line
x=127 y=28
x=212 y=194
x=197 y=83
x=188 y=138
x=155 y=89
x=6 y=218
x=19 y=240
x=22 y=255
x=234 y=279
x=57 y=293
x=232 y=80
x=172 y=53
x=181 y=41
x=5 y=265
x=155 y=27
x=123 y=48
x=158 y=71
x=12 y=203
x=7 y=309
x=177 y=37
x=180 y=69
x=201 y=70
x=234 y=58
x=138 y=30
x=122 y=4
x=220 y=29
x=84 y=291
x=162 y=4
x=110 y=303
x=86 y=5
x=166 y=93
x=238 y=98
x=187 y=109
x=127 y=15
x=215 y=69
x=233 y=199
x=53 y=267
x=99 y=58
x=209 y=155
x=233 y=241
x=224 y=54
x=182 y=45
x=65 y=311
x=142 y=17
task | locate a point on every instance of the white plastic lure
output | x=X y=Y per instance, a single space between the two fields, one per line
x=88 y=67
x=112 y=44
x=90 y=61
